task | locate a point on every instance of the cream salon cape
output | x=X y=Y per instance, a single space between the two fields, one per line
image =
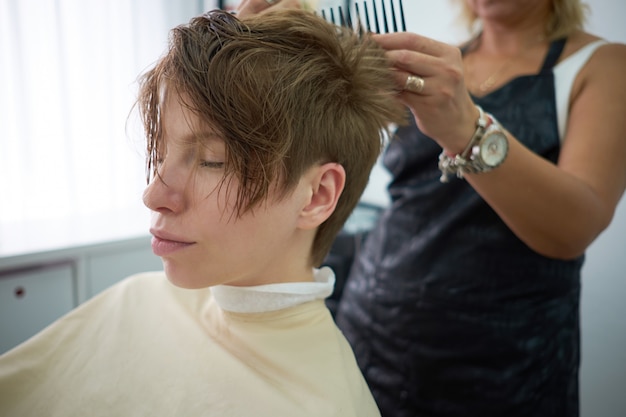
x=147 y=348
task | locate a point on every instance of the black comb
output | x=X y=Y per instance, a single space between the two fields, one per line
x=364 y=16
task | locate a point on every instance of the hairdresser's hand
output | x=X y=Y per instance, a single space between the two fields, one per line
x=443 y=109
x=250 y=7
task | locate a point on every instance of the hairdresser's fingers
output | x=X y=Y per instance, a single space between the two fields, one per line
x=416 y=62
x=289 y=4
x=441 y=106
x=412 y=42
x=426 y=67
x=417 y=53
x=250 y=7
x=411 y=83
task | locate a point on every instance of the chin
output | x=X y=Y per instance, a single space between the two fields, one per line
x=185 y=279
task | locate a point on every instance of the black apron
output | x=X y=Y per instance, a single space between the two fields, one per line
x=448 y=312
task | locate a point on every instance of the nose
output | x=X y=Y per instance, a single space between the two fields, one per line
x=165 y=193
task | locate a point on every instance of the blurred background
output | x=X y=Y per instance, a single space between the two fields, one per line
x=72 y=172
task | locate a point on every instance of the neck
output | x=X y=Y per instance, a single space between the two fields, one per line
x=496 y=54
x=510 y=32
x=509 y=43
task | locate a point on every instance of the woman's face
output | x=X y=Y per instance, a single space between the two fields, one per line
x=196 y=231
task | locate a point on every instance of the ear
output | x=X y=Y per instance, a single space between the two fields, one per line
x=326 y=183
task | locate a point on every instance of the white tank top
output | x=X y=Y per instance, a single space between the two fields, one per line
x=565 y=73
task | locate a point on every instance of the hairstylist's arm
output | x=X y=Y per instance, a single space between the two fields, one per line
x=557 y=210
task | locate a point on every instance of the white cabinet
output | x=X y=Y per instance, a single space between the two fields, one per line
x=38 y=287
x=31 y=299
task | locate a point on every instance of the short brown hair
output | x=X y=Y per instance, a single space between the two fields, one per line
x=286 y=90
x=566 y=16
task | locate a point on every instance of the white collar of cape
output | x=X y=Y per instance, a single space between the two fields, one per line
x=272 y=297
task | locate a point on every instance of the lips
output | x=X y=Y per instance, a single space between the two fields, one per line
x=164 y=244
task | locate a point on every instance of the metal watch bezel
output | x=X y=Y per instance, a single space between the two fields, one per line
x=476 y=156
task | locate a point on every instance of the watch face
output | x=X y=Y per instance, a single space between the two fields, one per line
x=494 y=148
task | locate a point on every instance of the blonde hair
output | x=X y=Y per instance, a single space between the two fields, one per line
x=286 y=90
x=565 y=17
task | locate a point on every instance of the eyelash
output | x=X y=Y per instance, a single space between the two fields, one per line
x=211 y=164
x=203 y=163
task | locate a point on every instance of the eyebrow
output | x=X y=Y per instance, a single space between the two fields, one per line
x=195 y=137
x=206 y=134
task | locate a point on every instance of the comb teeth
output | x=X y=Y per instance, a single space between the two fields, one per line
x=364 y=16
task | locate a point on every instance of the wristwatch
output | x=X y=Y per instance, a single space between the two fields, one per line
x=486 y=150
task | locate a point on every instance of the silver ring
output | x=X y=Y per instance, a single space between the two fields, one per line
x=414 y=84
x=271 y=2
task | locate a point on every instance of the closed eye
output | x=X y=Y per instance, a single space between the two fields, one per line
x=211 y=164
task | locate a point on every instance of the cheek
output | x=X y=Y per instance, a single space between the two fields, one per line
x=212 y=211
x=214 y=195
x=213 y=215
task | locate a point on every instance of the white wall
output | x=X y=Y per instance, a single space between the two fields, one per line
x=603 y=370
